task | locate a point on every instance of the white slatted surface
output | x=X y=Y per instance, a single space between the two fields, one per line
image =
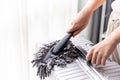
x=111 y=71
x=78 y=70
x=71 y=72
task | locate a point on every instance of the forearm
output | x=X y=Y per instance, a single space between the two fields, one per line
x=92 y=5
x=82 y=18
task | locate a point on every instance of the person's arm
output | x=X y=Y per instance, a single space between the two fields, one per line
x=101 y=51
x=116 y=35
x=92 y=5
x=81 y=20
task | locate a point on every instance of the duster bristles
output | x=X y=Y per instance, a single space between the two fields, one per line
x=67 y=55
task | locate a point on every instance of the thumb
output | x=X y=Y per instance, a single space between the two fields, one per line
x=72 y=28
x=89 y=55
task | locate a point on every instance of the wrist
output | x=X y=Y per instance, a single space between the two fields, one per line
x=114 y=38
x=116 y=35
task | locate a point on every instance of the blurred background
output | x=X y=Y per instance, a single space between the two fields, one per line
x=26 y=23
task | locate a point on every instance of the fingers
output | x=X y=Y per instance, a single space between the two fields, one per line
x=99 y=58
x=96 y=57
x=103 y=60
x=76 y=29
x=73 y=28
x=89 y=55
x=76 y=32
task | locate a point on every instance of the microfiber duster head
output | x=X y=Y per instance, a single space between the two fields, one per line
x=67 y=55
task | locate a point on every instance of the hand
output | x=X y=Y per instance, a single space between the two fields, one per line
x=80 y=22
x=101 y=51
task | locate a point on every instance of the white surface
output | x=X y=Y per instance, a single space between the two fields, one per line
x=80 y=71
